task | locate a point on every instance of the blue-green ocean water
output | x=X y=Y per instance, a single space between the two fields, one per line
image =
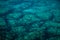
x=29 y=19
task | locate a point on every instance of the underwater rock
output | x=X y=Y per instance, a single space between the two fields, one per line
x=29 y=20
x=57 y=16
x=54 y=38
x=14 y=15
x=53 y=27
x=2 y=22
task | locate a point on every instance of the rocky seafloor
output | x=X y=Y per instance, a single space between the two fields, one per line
x=29 y=19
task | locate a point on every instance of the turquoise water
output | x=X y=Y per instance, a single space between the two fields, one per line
x=29 y=19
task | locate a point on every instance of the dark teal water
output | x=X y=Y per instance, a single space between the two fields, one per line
x=29 y=19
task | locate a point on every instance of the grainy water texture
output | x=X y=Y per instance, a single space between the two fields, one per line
x=29 y=19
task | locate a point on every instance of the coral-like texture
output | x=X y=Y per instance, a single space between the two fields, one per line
x=29 y=20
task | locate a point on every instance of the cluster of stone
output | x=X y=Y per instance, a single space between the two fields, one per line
x=29 y=20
